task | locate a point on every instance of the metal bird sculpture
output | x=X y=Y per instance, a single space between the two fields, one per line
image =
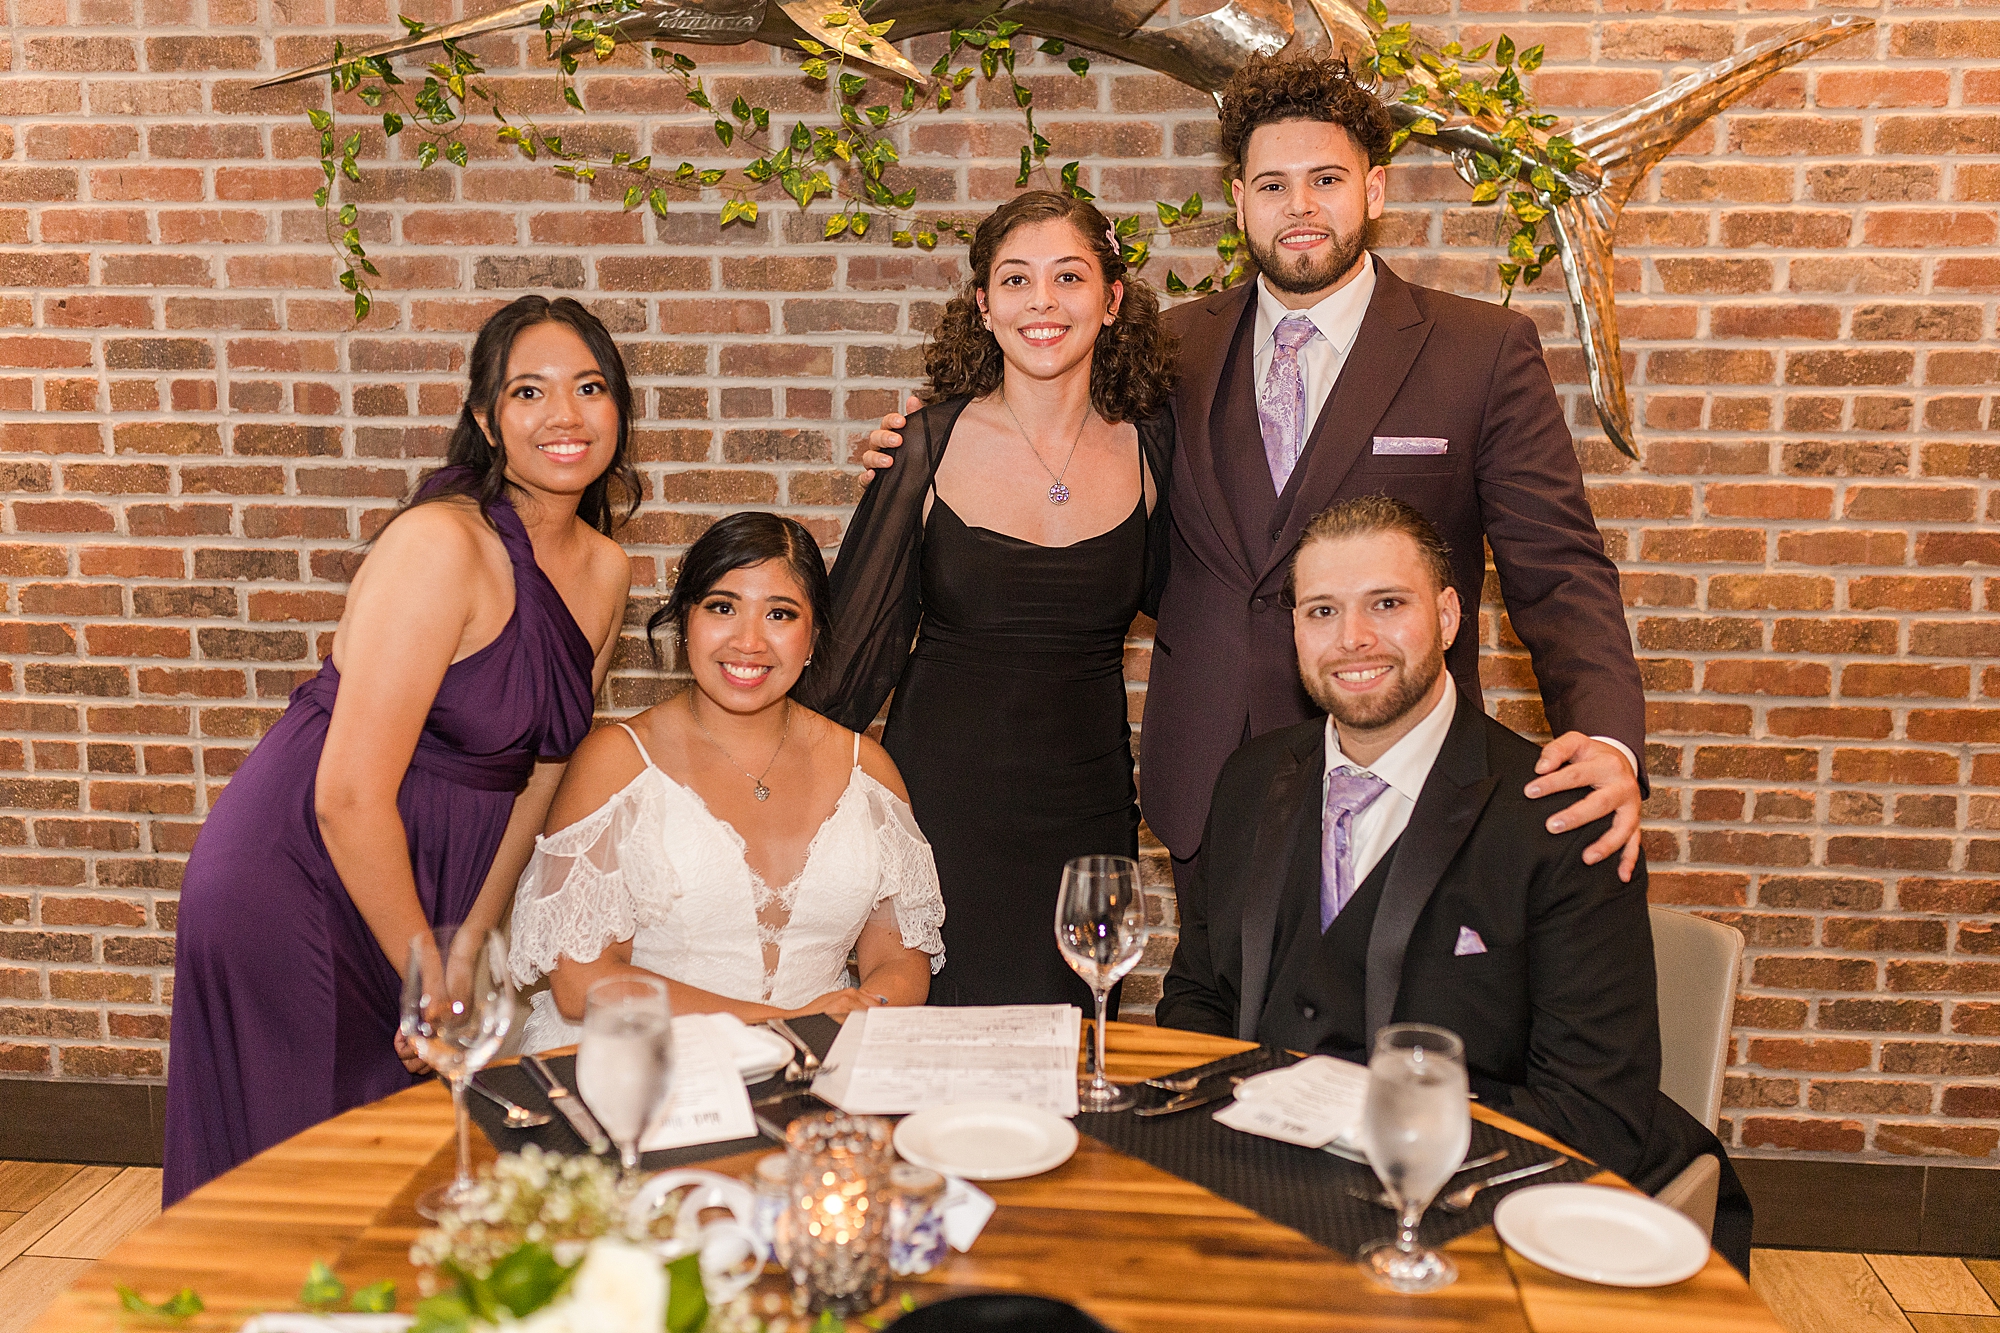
x=1616 y=151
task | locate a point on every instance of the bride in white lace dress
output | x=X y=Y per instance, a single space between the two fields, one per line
x=729 y=840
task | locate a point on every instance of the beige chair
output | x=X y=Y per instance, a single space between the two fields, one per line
x=1696 y=960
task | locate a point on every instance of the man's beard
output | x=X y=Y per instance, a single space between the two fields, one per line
x=1301 y=275
x=1371 y=711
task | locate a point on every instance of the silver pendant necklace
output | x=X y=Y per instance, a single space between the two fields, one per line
x=760 y=791
x=1058 y=493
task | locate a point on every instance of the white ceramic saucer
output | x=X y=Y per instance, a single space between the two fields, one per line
x=1601 y=1234
x=986 y=1140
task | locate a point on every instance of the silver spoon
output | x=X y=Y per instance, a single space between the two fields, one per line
x=518 y=1116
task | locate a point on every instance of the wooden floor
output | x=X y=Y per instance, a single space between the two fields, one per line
x=55 y=1219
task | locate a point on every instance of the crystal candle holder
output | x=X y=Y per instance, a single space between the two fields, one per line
x=834 y=1232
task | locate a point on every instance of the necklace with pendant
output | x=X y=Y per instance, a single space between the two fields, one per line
x=760 y=791
x=1058 y=493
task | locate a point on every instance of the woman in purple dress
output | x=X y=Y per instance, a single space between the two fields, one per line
x=403 y=787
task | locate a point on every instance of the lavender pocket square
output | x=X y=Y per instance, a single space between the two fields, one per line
x=1410 y=444
x=1468 y=942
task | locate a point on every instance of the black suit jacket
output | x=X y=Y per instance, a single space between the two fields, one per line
x=1424 y=363
x=1559 y=1015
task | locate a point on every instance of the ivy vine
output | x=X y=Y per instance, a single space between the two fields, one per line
x=851 y=162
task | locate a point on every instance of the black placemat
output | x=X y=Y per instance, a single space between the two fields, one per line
x=512 y=1082
x=1306 y=1189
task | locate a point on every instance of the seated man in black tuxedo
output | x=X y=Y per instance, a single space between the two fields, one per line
x=1385 y=866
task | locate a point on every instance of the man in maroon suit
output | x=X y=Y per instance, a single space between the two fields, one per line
x=1331 y=377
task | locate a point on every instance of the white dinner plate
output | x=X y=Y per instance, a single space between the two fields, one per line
x=986 y=1140
x=759 y=1053
x=1601 y=1234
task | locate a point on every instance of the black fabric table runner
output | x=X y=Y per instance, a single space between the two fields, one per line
x=1306 y=1189
x=1302 y=1188
x=513 y=1083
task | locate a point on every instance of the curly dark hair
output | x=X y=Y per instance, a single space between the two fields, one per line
x=1269 y=89
x=1132 y=362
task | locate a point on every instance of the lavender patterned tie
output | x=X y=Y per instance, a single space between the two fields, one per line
x=1281 y=406
x=1349 y=791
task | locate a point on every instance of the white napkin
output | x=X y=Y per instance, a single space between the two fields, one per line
x=966 y=1209
x=1312 y=1103
x=747 y=1048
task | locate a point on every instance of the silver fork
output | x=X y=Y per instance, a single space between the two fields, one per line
x=1461 y=1198
x=518 y=1116
x=783 y=1029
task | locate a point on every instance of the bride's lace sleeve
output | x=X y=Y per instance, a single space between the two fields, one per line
x=590 y=885
x=909 y=880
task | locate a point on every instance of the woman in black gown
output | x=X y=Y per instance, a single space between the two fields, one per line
x=1021 y=528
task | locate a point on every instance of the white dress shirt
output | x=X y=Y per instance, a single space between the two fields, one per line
x=1338 y=318
x=1405 y=766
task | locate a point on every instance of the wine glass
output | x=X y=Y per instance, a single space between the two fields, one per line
x=458 y=1002
x=1416 y=1127
x=1101 y=930
x=623 y=1063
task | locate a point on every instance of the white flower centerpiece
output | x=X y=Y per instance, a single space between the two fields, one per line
x=545 y=1244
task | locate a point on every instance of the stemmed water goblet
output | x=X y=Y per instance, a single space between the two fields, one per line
x=1416 y=1126
x=1101 y=930
x=458 y=1003
x=625 y=1060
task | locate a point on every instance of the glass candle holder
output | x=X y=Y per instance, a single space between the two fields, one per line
x=772 y=1185
x=916 y=1219
x=834 y=1233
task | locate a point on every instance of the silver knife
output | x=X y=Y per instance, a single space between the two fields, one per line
x=1187 y=1101
x=572 y=1107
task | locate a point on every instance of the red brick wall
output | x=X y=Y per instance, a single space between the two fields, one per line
x=193 y=438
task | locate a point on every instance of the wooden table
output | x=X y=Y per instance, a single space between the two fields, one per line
x=1138 y=1248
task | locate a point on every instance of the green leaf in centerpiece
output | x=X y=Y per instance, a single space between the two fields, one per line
x=183 y=1304
x=687 y=1303
x=527 y=1279
x=445 y=1312
x=322 y=1290
x=375 y=1298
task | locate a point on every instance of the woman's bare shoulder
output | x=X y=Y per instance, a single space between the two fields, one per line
x=601 y=767
x=877 y=764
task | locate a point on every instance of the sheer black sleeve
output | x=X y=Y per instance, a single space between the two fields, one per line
x=876 y=602
x=1156 y=443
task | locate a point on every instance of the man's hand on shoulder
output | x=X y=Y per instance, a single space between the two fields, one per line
x=885 y=438
x=1575 y=760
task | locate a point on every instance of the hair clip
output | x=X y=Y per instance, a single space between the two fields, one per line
x=1111 y=239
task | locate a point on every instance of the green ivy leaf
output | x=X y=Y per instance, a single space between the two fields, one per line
x=348 y=212
x=1531 y=59
x=454 y=152
x=656 y=198
x=862 y=222
x=1169 y=215
x=375 y=1298
x=851 y=85
x=320 y=120
x=1176 y=285
x=711 y=176
x=725 y=132
x=322 y=1290
x=1052 y=47
x=183 y=1304
x=1487 y=191
x=835 y=226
